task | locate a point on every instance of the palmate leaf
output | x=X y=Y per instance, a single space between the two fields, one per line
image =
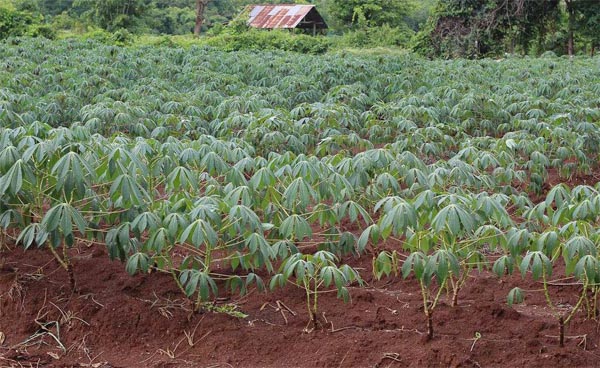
x=585 y=210
x=339 y=187
x=324 y=214
x=298 y=266
x=73 y=174
x=236 y=177
x=32 y=234
x=425 y=200
x=257 y=243
x=138 y=262
x=517 y=241
x=538 y=263
x=257 y=280
x=331 y=274
x=371 y=233
x=199 y=232
x=206 y=208
x=502 y=265
x=547 y=242
x=353 y=210
x=587 y=269
x=299 y=194
x=559 y=194
x=175 y=223
x=415 y=262
x=323 y=257
x=284 y=248
x=197 y=281
x=125 y=191
x=262 y=178
x=157 y=240
x=118 y=241
x=237 y=283
x=62 y=218
x=454 y=219
x=398 y=219
x=493 y=208
x=440 y=264
x=295 y=227
x=181 y=178
x=10 y=217
x=574 y=249
x=515 y=296
x=16 y=177
x=277 y=280
x=244 y=219
x=8 y=156
x=145 y=221
x=214 y=164
x=239 y=195
x=384 y=264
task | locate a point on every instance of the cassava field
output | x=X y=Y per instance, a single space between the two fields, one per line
x=162 y=207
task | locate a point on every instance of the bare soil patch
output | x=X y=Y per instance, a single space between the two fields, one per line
x=121 y=321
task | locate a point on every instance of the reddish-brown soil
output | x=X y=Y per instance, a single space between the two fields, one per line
x=120 y=321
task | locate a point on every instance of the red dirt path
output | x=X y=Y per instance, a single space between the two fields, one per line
x=120 y=321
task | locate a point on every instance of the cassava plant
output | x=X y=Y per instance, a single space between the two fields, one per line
x=315 y=273
x=57 y=231
x=580 y=257
x=425 y=268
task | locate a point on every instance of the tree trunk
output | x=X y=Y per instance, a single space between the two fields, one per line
x=200 y=6
x=571 y=22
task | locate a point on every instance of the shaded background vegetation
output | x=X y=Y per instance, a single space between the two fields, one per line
x=434 y=28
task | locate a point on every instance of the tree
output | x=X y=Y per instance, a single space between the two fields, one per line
x=113 y=14
x=479 y=27
x=584 y=17
x=13 y=22
x=200 y=8
x=369 y=12
x=570 y=6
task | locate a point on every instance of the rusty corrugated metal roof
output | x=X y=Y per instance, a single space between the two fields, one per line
x=277 y=16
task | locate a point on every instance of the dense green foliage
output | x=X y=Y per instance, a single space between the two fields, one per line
x=274 y=40
x=369 y=12
x=367 y=23
x=216 y=167
x=14 y=23
x=472 y=28
x=433 y=28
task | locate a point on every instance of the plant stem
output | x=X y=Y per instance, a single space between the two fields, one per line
x=427 y=311
x=306 y=284
x=458 y=285
x=172 y=272
x=561 y=324
x=65 y=264
x=437 y=295
x=198 y=303
x=429 y=325
x=315 y=305
x=547 y=292
x=58 y=258
x=69 y=268
x=595 y=310
x=578 y=305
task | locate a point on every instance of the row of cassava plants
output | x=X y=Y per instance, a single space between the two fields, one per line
x=289 y=166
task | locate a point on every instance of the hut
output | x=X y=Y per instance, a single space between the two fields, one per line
x=286 y=16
